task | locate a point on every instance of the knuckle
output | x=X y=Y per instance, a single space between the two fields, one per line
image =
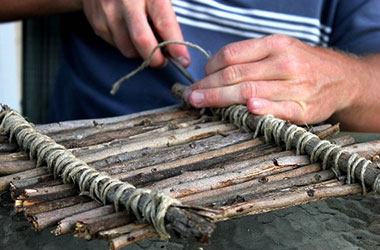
x=129 y=52
x=230 y=74
x=289 y=64
x=141 y=38
x=227 y=54
x=248 y=90
x=100 y=28
x=164 y=24
x=280 y=41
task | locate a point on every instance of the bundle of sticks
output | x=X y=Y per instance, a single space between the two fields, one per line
x=210 y=165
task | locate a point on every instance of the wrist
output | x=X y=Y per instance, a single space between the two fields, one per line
x=360 y=75
x=353 y=75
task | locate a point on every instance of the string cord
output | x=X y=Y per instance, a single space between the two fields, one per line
x=62 y=162
x=145 y=63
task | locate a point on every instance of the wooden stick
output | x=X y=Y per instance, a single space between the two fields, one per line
x=279 y=200
x=18 y=156
x=18 y=186
x=95 y=133
x=244 y=171
x=165 y=154
x=5 y=180
x=177 y=124
x=135 y=236
x=283 y=199
x=118 y=231
x=198 y=168
x=102 y=134
x=44 y=207
x=33 y=196
x=96 y=137
x=343 y=140
x=139 y=159
x=18 y=166
x=211 y=196
x=67 y=225
x=365 y=149
x=90 y=227
x=12 y=167
x=191 y=176
x=133 y=118
x=214 y=178
x=328 y=132
x=156 y=169
x=48 y=219
x=137 y=162
x=44 y=191
x=260 y=190
x=186 y=223
x=166 y=139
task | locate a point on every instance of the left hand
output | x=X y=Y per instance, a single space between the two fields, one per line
x=279 y=75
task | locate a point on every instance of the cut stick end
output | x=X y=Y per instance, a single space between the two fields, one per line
x=178 y=90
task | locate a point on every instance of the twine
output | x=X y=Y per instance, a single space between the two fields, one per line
x=62 y=162
x=145 y=64
x=272 y=127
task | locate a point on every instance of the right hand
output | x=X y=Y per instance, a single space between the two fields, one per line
x=124 y=24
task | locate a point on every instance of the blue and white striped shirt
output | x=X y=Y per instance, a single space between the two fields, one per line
x=90 y=65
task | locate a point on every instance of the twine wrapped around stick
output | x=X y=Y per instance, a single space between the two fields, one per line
x=62 y=162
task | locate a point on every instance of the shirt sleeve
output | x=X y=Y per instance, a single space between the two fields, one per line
x=356 y=27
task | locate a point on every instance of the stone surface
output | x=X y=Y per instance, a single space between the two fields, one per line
x=342 y=223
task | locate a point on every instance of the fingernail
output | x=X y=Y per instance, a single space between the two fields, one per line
x=197 y=97
x=257 y=105
x=183 y=61
x=186 y=94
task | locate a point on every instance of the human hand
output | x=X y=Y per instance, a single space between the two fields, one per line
x=124 y=24
x=279 y=75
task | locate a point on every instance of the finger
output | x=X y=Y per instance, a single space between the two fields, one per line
x=166 y=25
x=141 y=33
x=258 y=71
x=96 y=18
x=119 y=30
x=287 y=110
x=236 y=53
x=240 y=93
x=247 y=51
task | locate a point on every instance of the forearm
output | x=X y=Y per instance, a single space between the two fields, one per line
x=19 y=9
x=364 y=112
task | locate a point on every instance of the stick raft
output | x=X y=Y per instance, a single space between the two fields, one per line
x=216 y=170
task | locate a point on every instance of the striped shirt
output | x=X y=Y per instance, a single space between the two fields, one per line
x=90 y=65
x=249 y=22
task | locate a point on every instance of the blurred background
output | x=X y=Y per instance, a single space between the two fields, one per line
x=29 y=60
